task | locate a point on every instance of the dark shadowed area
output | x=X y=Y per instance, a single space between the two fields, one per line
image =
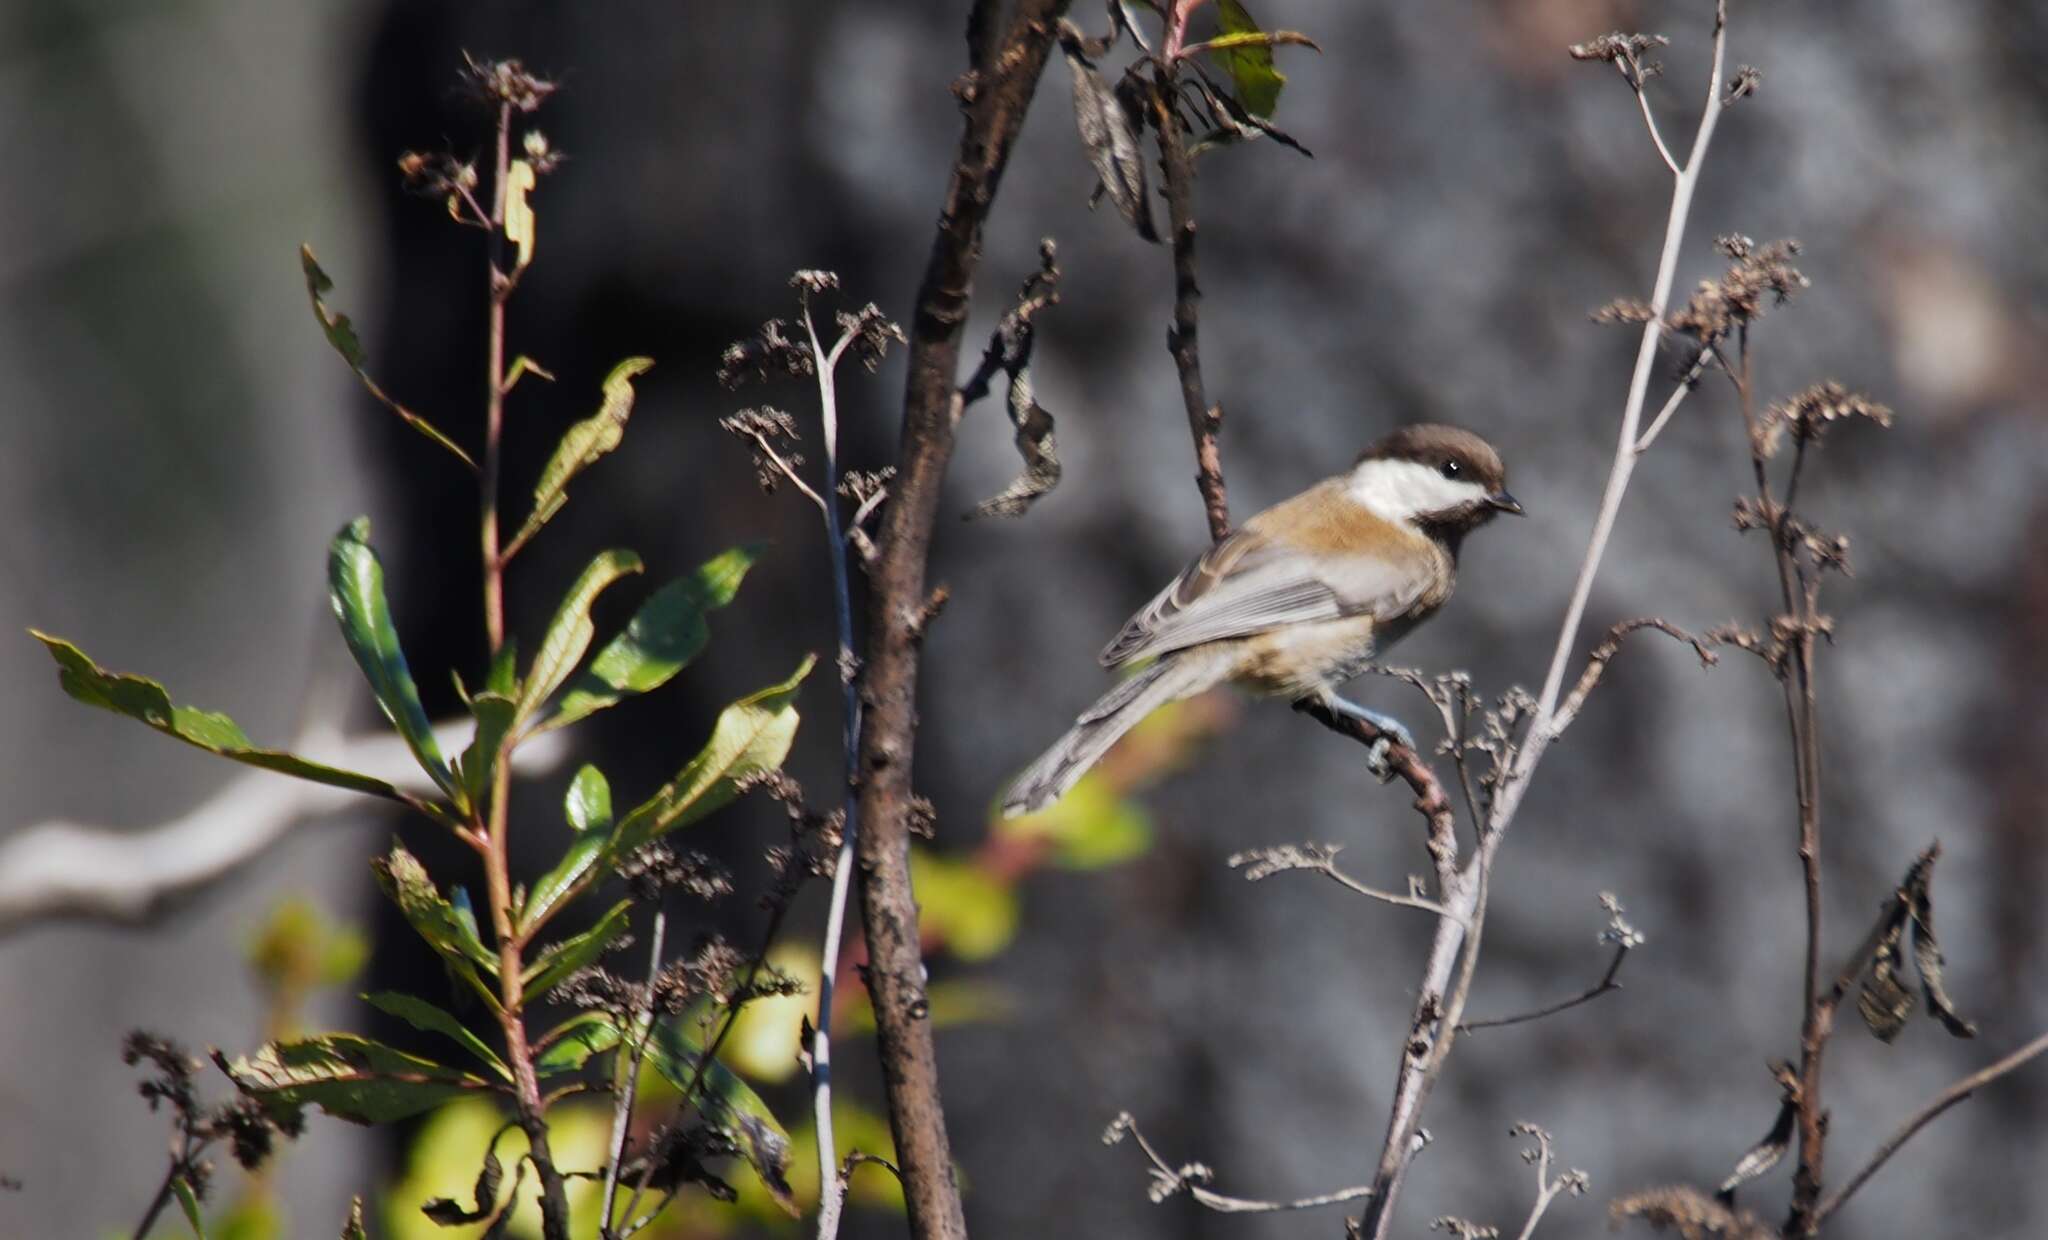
x=180 y=444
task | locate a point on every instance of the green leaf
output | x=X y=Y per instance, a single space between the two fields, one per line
x=440 y=923
x=964 y=907
x=569 y=1045
x=355 y=580
x=342 y=335
x=583 y=444
x=478 y=764
x=727 y=1102
x=563 y=958
x=146 y=700
x=666 y=633
x=589 y=803
x=188 y=1201
x=503 y=676
x=570 y=633
x=1251 y=65
x=568 y=875
x=427 y=1018
x=751 y=738
x=350 y=1077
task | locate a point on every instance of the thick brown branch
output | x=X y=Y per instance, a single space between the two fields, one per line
x=1430 y=799
x=1007 y=61
x=1183 y=339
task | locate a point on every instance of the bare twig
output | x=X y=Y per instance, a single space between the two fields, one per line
x=1260 y=863
x=1440 y=1001
x=1574 y=1181
x=622 y=1105
x=1601 y=987
x=498 y=291
x=1006 y=63
x=1204 y=419
x=831 y=1199
x=1193 y=1179
x=1603 y=654
x=1925 y=1115
x=1635 y=83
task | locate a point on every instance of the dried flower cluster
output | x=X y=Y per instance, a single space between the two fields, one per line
x=1760 y=276
x=506 y=82
x=1809 y=414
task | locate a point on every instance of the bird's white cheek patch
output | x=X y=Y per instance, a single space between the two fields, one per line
x=1402 y=490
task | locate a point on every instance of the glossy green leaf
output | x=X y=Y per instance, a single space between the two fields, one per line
x=427 y=1018
x=439 y=922
x=589 y=803
x=727 y=1102
x=342 y=335
x=147 y=701
x=561 y=959
x=355 y=581
x=751 y=738
x=349 y=1077
x=585 y=851
x=478 y=764
x=968 y=910
x=1250 y=65
x=666 y=633
x=188 y=1201
x=570 y=1045
x=570 y=633
x=583 y=444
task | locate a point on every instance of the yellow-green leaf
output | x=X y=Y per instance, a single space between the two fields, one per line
x=570 y=633
x=751 y=738
x=427 y=1018
x=563 y=958
x=970 y=912
x=583 y=444
x=349 y=1077
x=355 y=586
x=727 y=1102
x=666 y=633
x=342 y=335
x=1250 y=63
x=519 y=221
x=146 y=700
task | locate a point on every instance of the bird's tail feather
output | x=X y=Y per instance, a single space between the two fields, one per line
x=1103 y=725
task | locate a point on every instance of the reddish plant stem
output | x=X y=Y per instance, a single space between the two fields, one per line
x=494 y=392
x=1005 y=64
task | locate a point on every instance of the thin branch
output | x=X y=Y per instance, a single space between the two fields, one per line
x=622 y=1106
x=1601 y=987
x=1925 y=1115
x=1635 y=83
x=1434 y=1025
x=1183 y=338
x=1672 y=402
x=1603 y=654
x=1262 y=863
x=832 y=1202
x=1193 y=1179
x=787 y=470
x=498 y=291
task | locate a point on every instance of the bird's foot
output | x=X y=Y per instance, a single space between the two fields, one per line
x=1392 y=732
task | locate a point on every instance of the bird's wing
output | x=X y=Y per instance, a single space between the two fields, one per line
x=1246 y=585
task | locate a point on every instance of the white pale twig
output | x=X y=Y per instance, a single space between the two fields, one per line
x=68 y=869
x=1448 y=971
x=832 y=1194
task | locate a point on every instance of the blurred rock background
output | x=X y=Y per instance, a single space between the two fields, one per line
x=180 y=444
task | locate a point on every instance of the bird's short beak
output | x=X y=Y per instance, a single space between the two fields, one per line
x=1505 y=502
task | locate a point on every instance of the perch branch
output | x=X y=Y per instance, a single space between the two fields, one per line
x=1193 y=1179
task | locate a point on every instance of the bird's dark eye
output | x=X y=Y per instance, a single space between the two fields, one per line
x=1451 y=469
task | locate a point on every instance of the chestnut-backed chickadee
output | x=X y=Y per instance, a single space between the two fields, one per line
x=1301 y=598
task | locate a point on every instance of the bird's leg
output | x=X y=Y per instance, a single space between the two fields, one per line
x=1392 y=731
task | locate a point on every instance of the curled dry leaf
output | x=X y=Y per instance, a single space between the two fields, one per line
x=1109 y=133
